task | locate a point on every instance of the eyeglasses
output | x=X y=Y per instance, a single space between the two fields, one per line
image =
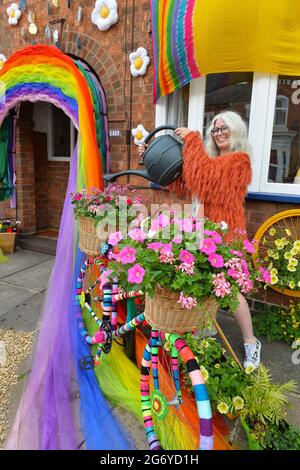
x=222 y=130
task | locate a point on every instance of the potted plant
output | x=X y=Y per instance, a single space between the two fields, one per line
x=223 y=377
x=102 y=212
x=283 y=258
x=8 y=235
x=182 y=266
x=264 y=406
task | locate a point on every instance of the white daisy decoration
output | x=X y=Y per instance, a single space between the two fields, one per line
x=2 y=60
x=14 y=13
x=105 y=14
x=139 y=134
x=139 y=62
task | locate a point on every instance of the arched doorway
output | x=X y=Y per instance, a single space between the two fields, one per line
x=46 y=135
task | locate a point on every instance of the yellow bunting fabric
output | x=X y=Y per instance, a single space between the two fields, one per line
x=197 y=37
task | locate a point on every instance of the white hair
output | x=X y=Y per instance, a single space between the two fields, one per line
x=238 y=137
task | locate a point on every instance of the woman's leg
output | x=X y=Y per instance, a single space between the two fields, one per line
x=244 y=320
x=252 y=345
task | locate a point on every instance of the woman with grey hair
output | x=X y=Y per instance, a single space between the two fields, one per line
x=218 y=173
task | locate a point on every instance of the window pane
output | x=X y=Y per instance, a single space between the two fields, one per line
x=228 y=91
x=177 y=107
x=285 y=140
x=60 y=133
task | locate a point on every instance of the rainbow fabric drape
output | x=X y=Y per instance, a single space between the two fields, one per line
x=49 y=416
x=44 y=73
x=197 y=37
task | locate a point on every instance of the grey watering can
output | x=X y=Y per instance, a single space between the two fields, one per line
x=162 y=159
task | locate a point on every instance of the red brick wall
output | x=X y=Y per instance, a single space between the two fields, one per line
x=57 y=179
x=129 y=99
x=25 y=170
x=41 y=183
x=107 y=52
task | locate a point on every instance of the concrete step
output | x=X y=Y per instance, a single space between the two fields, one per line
x=39 y=244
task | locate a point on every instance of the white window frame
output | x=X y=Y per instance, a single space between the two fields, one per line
x=51 y=157
x=285 y=101
x=262 y=115
x=265 y=186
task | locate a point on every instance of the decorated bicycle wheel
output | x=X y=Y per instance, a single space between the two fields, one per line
x=177 y=415
x=278 y=247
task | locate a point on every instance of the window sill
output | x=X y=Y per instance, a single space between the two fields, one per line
x=288 y=198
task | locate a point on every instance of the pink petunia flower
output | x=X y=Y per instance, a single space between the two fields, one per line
x=114 y=238
x=127 y=255
x=137 y=234
x=186 y=257
x=136 y=274
x=217 y=261
x=232 y=273
x=155 y=246
x=162 y=221
x=207 y=246
x=104 y=277
x=216 y=237
x=187 y=225
x=248 y=246
x=236 y=253
x=265 y=275
x=177 y=240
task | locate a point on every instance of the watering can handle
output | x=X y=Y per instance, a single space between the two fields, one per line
x=158 y=129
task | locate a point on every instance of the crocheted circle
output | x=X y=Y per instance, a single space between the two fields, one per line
x=159 y=404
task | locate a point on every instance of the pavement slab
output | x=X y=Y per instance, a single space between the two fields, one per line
x=23 y=316
x=11 y=296
x=21 y=260
x=34 y=278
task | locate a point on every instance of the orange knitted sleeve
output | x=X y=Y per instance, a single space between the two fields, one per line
x=210 y=177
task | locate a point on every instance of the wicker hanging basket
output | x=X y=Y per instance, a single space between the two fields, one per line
x=163 y=312
x=89 y=243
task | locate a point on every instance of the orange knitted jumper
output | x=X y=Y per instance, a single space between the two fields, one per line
x=219 y=182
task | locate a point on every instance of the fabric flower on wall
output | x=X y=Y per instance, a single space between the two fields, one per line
x=139 y=134
x=2 y=60
x=139 y=62
x=14 y=13
x=105 y=14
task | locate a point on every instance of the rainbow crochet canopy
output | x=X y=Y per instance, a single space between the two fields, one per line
x=193 y=38
x=44 y=73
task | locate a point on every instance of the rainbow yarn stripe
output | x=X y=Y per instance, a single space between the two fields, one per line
x=198 y=37
x=44 y=73
x=150 y=361
x=173 y=48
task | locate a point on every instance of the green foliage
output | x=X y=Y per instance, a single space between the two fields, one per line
x=277 y=323
x=116 y=205
x=225 y=378
x=259 y=402
x=265 y=401
x=282 y=258
x=281 y=437
x=196 y=261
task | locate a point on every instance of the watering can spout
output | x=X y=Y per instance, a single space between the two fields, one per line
x=111 y=178
x=162 y=159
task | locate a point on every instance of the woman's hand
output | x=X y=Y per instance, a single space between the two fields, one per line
x=141 y=149
x=182 y=132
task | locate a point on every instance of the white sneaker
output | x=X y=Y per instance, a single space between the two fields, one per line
x=252 y=351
